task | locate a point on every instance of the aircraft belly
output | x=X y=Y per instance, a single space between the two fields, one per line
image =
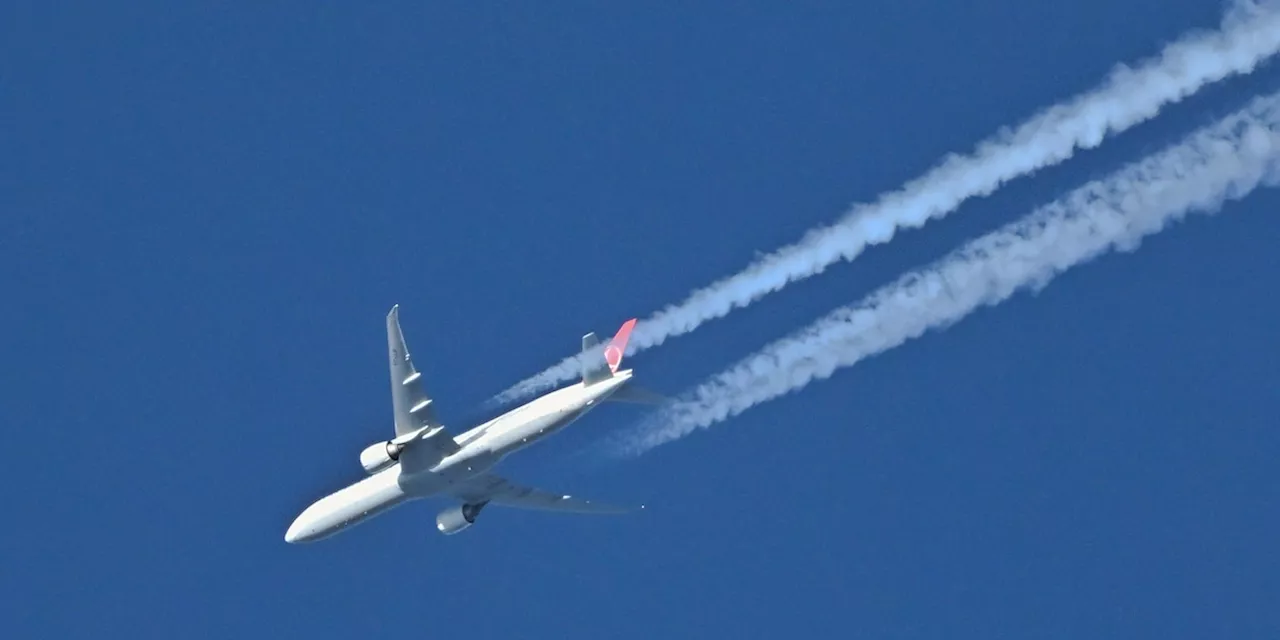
x=461 y=468
x=351 y=505
x=534 y=430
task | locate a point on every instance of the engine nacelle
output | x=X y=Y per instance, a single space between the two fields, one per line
x=455 y=519
x=379 y=456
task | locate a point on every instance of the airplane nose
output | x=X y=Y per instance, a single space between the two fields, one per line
x=297 y=531
x=312 y=524
x=291 y=536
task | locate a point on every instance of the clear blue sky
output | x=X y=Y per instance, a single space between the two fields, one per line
x=207 y=208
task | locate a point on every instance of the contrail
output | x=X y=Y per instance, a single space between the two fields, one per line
x=1223 y=161
x=1250 y=33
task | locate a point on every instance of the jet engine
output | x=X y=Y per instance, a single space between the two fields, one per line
x=455 y=519
x=379 y=456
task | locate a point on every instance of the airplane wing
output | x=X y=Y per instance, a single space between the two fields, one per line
x=412 y=406
x=500 y=491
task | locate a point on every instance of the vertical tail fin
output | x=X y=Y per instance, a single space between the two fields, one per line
x=593 y=370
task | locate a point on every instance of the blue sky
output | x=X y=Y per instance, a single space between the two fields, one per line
x=207 y=210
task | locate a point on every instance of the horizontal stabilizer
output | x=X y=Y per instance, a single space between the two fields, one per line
x=593 y=370
x=637 y=395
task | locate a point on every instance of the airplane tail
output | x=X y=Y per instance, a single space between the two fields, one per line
x=633 y=394
x=594 y=371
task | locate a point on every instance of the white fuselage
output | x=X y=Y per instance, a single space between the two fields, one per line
x=479 y=450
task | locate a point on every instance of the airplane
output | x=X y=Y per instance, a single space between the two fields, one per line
x=425 y=460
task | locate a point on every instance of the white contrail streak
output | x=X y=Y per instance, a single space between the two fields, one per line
x=1220 y=162
x=1250 y=33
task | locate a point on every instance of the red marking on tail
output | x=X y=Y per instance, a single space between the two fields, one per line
x=618 y=345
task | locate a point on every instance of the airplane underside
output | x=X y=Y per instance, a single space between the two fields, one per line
x=424 y=460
